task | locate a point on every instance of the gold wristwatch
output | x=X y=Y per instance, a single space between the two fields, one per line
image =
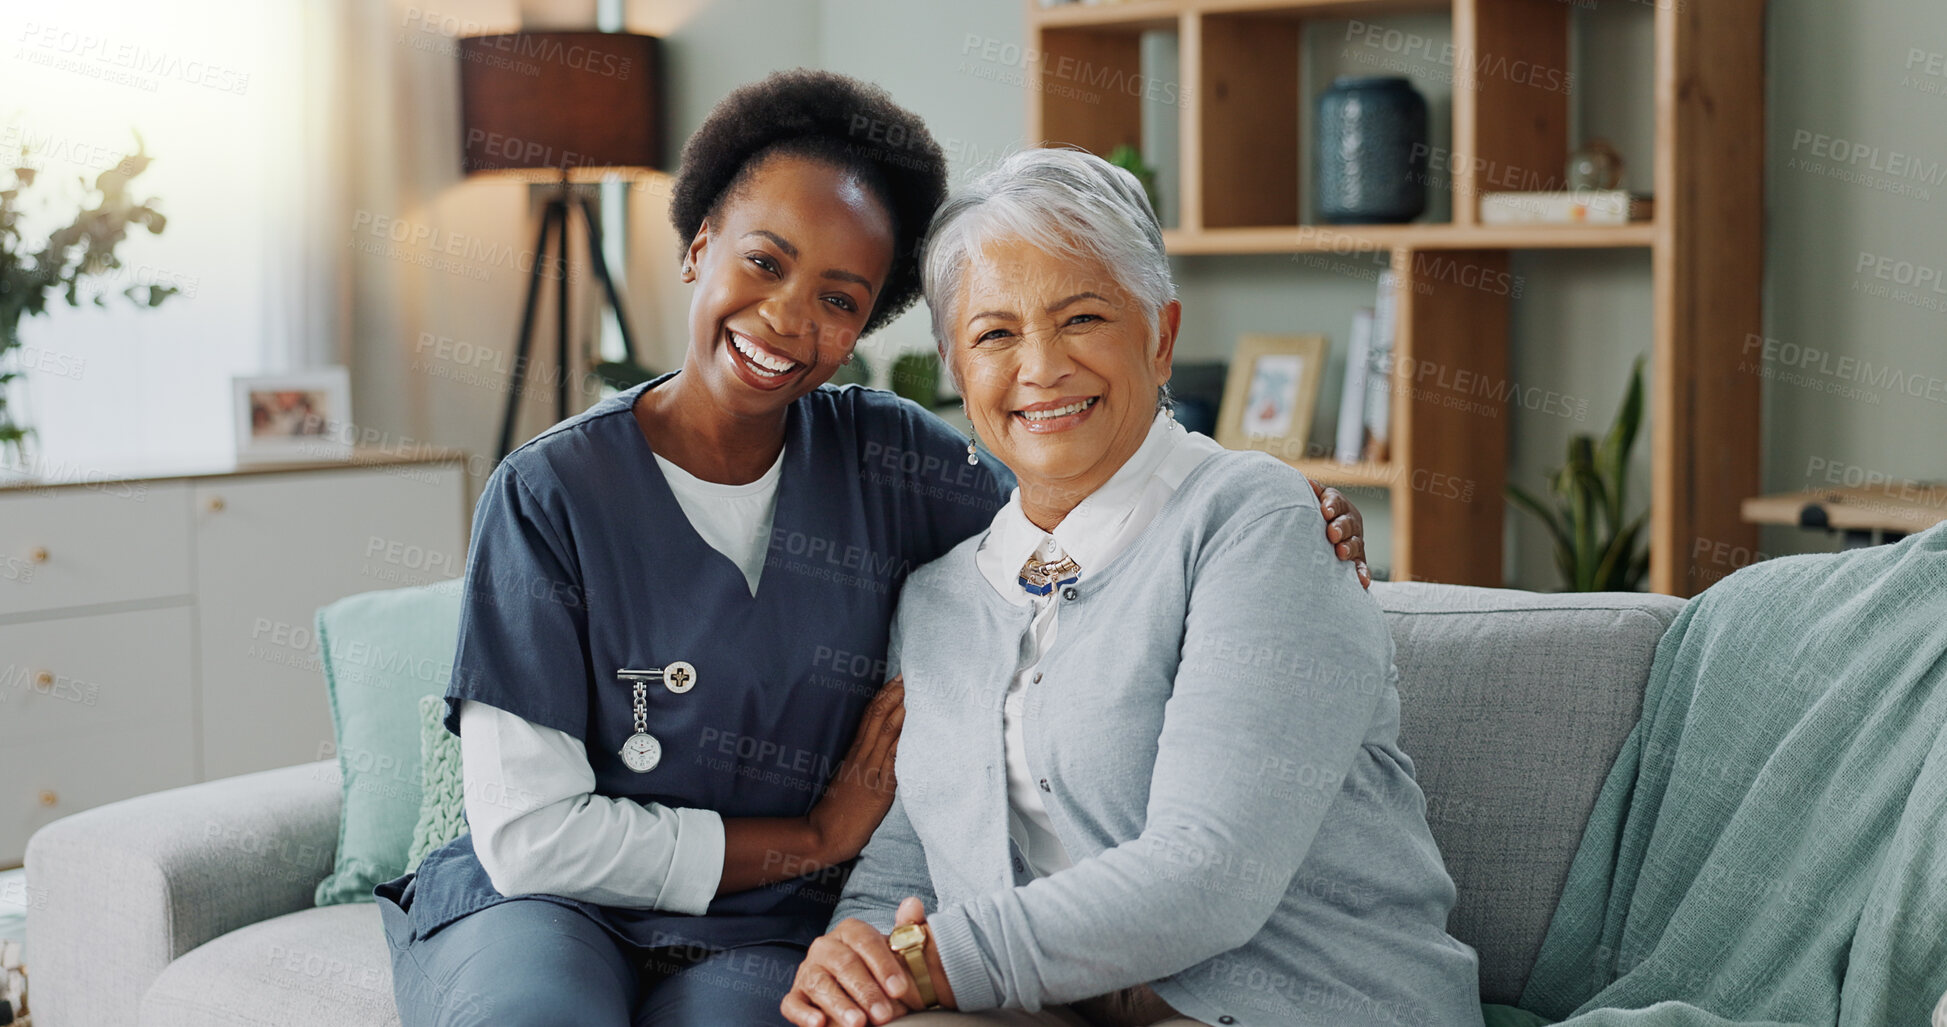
x=909 y=940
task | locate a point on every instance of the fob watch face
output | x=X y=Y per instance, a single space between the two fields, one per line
x=641 y=753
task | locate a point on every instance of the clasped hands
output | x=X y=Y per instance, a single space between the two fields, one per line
x=852 y=977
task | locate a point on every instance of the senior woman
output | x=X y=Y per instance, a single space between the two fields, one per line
x=1138 y=782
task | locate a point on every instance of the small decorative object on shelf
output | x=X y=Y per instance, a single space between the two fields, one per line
x=1596 y=165
x=1351 y=446
x=1130 y=159
x=1595 y=549
x=298 y=417
x=1583 y=207
x=1372 y=153
x=1272 y=392
x=33 y=272
x=1379 y=370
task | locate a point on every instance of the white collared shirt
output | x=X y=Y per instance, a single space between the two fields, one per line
x=1094 y=533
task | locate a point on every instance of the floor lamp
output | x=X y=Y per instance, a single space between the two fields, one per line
x=564 y=107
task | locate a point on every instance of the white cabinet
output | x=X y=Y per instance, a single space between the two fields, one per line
x=92 y=709
x=104 y=543
x=281 y=546
x=157 y=632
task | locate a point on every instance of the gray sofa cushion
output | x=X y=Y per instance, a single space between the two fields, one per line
x=1513 y=707
x=327 y=965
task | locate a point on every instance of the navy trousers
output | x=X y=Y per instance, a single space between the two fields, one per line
x=534 y=963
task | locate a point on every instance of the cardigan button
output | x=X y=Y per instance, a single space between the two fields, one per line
x=1226 y=1019
x=1071 y=593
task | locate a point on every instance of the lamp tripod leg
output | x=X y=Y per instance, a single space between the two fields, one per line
x=561 y=365
x=517 y=378
x=600 y=262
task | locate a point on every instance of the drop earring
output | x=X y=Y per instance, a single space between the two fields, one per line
x=973 y=456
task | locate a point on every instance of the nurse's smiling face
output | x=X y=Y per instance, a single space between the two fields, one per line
x=787 y=270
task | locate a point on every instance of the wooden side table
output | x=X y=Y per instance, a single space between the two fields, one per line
x=1866 y=516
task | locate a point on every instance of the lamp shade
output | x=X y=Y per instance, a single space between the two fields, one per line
x=547 y=104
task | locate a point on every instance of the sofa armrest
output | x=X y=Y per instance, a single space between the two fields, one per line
x=116 y=893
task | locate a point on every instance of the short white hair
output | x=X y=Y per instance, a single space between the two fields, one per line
x=1062 y=201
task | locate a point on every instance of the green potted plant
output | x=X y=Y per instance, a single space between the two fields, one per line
x=1130 y=159
x=1596 y=548
x=35 y=271
x=916 y=376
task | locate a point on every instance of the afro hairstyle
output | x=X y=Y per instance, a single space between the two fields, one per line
x=847 y=123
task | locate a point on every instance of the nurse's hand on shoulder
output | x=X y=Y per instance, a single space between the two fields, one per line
x=861 y=792
x=1344 y=528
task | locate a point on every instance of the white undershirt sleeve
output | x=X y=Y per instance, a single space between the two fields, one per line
x=539 y=828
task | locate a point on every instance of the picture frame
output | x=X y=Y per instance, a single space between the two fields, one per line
x=1271 y=394
x=302 y=416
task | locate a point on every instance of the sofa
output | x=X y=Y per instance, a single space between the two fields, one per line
x=195 y=906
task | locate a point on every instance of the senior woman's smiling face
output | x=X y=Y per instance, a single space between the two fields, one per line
x=1059 y=366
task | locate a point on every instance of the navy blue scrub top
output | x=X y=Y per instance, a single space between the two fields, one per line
x=582 y=563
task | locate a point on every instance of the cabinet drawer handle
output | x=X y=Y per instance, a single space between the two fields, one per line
x=38 y=554
x=215 y=504
x=48 y=798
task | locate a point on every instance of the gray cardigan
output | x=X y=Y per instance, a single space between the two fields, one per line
x=1216 y=744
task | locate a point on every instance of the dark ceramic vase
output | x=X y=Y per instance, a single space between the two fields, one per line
x=1372 y=153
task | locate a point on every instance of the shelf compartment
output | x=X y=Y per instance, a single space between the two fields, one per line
x=1243 y=125
x=1453 y=321
x=1510 y=99
x=1074 y=76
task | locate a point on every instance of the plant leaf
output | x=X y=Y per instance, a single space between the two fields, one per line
x=1613 y=459
x=1612 y=574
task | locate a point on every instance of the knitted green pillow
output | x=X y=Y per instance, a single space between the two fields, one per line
x=442 y=796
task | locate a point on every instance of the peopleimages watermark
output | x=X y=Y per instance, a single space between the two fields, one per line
x=33 y=150
x=1063 y=75
x=122 y=62
x=431 y=246
x=1487 y=175
x=1469 y=65
x=1877 y=490
x=1875 y=167
x=1902 y=281
x=1926 y=72
x=514 y=51
x=1825 y=371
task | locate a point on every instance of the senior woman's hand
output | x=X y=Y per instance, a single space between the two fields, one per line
x=1344 y=528
x=849 y=975
x=852 y=975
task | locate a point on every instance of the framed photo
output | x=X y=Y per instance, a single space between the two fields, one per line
x=1271 y=394
x=305 y=415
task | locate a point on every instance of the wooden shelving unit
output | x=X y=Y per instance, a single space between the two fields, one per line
x=1240 y=63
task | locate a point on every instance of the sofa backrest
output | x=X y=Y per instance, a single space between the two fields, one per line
x=1513 y=707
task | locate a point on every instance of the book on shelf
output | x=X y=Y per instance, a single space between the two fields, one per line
x=1351 y=442
x=1379 y=368
x=1581 y=207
